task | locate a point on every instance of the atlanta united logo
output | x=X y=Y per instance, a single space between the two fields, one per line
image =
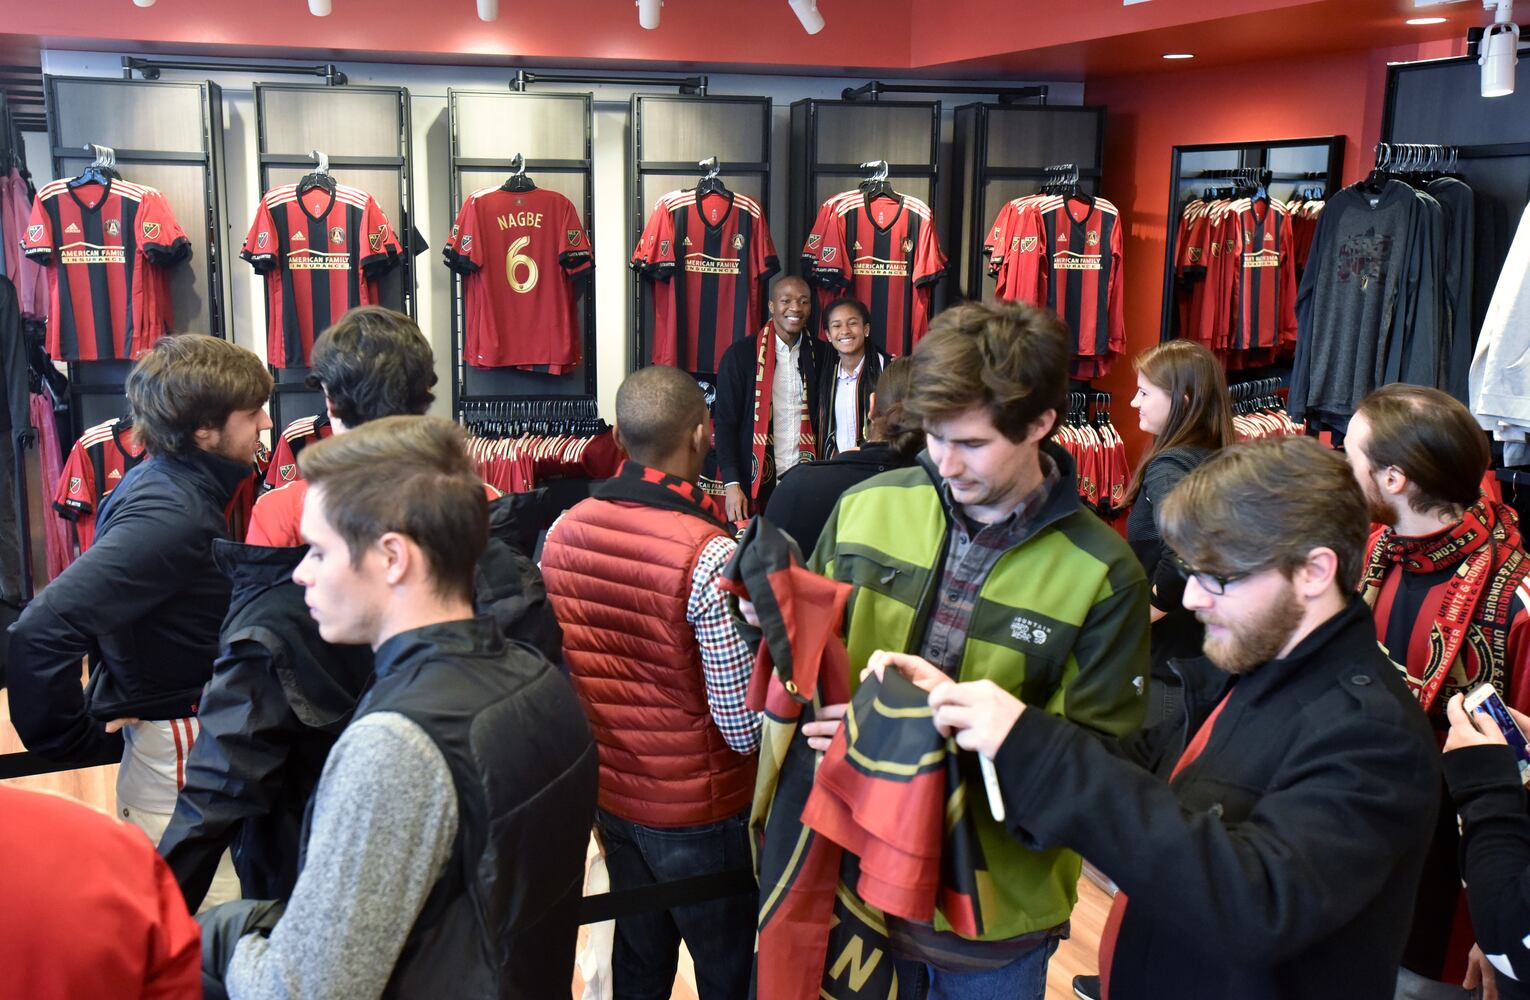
x=908 y=246
x=738 y=241
x=1092 y=237
x=337 y=235
x=113 y=227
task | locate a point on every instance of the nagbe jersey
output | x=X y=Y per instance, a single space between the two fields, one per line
x=520 y=254
x=321 y=254
x=708 y=263
x=883 y=251
x=106 y=247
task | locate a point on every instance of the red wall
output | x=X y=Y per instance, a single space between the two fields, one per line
x=1146 y=116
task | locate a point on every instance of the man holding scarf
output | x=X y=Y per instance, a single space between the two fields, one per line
x=1445 y=579
x=632 y=574
x=767 y=401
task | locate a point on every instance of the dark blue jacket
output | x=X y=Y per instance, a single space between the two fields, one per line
x=147 y=596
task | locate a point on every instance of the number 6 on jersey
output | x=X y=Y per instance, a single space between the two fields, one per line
x=515 y=260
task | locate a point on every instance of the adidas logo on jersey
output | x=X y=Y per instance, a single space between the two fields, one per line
x=114 y=474
x=71 y=228
x=687 y=242
x=857 y=245
x=299 y=237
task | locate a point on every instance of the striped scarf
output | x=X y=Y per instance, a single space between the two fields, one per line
x=762 y=469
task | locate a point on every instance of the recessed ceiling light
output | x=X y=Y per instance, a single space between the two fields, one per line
x=1179 y=55
x=1425 y=20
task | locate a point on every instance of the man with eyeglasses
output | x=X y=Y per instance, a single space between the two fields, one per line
x=1281 y=857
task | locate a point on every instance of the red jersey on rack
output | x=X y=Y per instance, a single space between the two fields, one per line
x=883 y=251
x=294 y=438
x=520 y=254
x=708 y=262
x=96 y=464
x=1066 y=253
x=1264 y=276
x=321 y=255
x=105 y=247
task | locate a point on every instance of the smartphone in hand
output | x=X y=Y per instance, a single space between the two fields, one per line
x=1485 y=701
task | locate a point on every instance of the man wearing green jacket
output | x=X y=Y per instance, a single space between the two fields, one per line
x=983 y=560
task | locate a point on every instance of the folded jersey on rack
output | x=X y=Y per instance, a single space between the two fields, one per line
x=106 y=248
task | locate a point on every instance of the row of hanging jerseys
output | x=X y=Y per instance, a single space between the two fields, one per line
x=1238 y=265
x=707 y=253
x=1098 y=452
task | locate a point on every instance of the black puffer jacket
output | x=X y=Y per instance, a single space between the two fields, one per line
x=1280 y=864
x=280 y=697
x=147 y=596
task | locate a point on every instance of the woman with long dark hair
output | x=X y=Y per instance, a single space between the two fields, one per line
x=845 y=387
x=1182 y=401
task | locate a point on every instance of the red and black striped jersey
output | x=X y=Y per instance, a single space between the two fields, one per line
x=884 y=251
x=708 y=263
x=1066 y=254
x=294 y=438
x=96 y=464
x=321 y=254
x=1264 y=276
x=520 y=254
x=106 y=247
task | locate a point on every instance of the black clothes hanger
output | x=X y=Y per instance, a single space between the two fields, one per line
x=876 y=184
x=518 y=180
x=710 y=182
x=320 y=177
x=102 y=170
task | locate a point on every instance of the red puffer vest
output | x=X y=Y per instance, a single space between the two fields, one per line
x=619 y=576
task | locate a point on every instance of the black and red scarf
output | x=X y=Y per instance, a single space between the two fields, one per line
x=841 y=841
x=638 y=483
x=763 y=468
x=1473 y=608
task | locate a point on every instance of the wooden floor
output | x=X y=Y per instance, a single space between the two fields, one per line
x=1077 y=956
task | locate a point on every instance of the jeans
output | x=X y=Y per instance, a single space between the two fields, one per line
x=719 y=934
x=1023 y=979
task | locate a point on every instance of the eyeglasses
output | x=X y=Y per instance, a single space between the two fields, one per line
x=1215 y=584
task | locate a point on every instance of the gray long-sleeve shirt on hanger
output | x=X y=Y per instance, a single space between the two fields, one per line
x=1368 y=311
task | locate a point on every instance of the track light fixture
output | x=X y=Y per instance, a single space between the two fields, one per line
x=143 y=3
x=648 y=13
x=488 y=10
x=807 y=13
x=319 y=8
x=1499 y=50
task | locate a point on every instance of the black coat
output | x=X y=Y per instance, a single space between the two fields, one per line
x=806 y=496
x=147 y=595
x=733 y=414
x=828 y=384
x=1283 y=862
x=280 y=697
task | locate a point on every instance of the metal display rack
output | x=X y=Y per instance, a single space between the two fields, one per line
x=554 y=135
x=671 y=135
x=365 y=132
